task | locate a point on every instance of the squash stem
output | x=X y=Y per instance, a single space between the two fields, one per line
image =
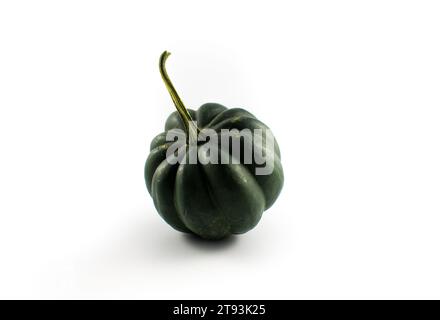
x=183 y=112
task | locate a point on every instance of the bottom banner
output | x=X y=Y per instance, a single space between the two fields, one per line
x=220 y=309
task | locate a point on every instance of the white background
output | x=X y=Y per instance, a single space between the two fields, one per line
x=349 y=88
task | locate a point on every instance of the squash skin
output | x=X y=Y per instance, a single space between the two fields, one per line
x=212 y=201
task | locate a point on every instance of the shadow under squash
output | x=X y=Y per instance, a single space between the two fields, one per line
x=209 y=245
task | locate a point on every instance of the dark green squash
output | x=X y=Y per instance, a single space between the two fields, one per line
x=210 y=200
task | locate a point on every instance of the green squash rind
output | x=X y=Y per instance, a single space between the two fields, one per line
x=212 y=200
